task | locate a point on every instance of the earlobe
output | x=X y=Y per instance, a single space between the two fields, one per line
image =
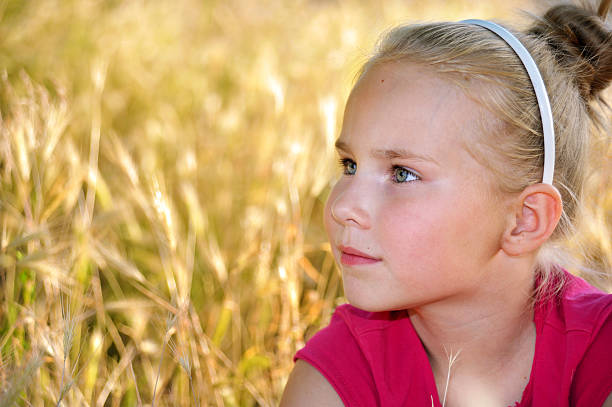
x=537 y=211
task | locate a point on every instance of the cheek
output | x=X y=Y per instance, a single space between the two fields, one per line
x=422 y=231
x=432 y=234
x=406 y=233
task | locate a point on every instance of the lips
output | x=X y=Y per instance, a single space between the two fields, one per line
x=352 y=257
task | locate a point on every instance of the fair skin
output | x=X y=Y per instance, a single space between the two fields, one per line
x=422 y=211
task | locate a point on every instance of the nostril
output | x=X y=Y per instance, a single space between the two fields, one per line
x=349 y=212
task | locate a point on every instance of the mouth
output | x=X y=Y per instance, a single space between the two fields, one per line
x=352 y=257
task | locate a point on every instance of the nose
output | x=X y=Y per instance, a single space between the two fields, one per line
x=349 y=204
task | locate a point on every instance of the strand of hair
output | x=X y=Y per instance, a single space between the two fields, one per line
x=604 y=7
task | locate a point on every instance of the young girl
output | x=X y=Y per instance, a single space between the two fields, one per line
x=444 y=218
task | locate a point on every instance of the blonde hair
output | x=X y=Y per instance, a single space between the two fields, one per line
x=573 y=50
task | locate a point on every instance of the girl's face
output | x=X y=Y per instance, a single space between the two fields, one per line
x=414 y=219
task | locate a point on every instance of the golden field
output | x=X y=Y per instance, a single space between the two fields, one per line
x=163 y=169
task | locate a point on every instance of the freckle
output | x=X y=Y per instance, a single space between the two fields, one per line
x=382 y=80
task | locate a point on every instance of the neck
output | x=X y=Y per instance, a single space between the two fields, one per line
x=490 y=330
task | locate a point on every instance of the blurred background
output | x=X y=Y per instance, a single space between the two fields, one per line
x=163 y=169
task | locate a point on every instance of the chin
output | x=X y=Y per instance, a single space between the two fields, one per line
x=367 y=304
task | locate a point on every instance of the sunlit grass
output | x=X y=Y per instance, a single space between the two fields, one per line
x=163 y=169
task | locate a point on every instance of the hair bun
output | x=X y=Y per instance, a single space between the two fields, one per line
x=581 y=43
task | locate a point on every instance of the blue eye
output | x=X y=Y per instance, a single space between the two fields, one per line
x=401 y=175
x=349 y=166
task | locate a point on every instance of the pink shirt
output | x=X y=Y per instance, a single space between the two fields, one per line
x=377 y=359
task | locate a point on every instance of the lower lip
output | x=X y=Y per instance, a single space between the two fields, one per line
x=353 y=260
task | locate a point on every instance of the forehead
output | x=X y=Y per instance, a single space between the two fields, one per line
x=397 y=104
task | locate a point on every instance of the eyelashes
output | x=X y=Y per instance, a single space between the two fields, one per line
x=398 y=174
x=349 y=167
x=403 y=174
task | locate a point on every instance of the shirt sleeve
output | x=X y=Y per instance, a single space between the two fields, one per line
x=335 y=353
x=592 y=382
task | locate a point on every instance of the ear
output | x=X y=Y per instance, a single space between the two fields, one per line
x=536 y=214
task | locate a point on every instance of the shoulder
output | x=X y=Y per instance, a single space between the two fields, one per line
x=370 y=359
x=307 y=387
x=351 y=328
x=573 y=358
x=593 y=376
x=587 y=321
x=580 y=307
x=336 y=356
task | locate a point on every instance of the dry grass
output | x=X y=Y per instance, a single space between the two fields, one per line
x=163 y=167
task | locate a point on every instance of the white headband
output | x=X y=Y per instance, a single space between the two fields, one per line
x=540 y=91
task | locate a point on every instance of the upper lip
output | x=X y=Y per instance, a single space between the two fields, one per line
x=355 y=252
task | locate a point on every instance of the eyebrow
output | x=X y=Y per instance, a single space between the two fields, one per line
x=389 y=153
